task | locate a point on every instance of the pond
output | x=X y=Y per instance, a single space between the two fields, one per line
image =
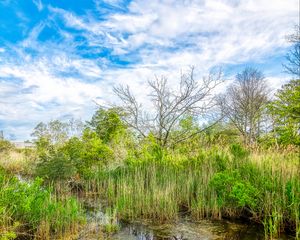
x=183 y=229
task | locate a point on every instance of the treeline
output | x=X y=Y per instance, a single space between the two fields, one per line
x=245 y=116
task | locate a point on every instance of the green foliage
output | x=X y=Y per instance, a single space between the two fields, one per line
x=43 y=146
x=74 y=148
x=285 y=110
x=238 y=152
x=56 y=166
x=153 y=149
x=9 y=232
x=61 y=158
x=107 y=124
x=221 y=134
x=8 y=235
x=219 y=159
x=234 y=191
x=76 y=155
x=31 y=204
x=94 y=152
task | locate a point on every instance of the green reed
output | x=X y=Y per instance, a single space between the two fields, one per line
x=212 y=184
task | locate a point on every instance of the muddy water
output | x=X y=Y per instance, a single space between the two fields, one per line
x=183 y=229
x=186 y=230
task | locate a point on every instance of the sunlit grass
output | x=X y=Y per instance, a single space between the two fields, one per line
x=18 y=161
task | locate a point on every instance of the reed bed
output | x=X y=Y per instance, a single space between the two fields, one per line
x=215 y=184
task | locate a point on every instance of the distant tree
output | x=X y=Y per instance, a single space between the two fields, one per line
x=40 y=130
x=285 y=110
x=169 y=106
x=75 y=127
x=293 y=57
x=244 y=102
x=56 y=131
x=42 y=139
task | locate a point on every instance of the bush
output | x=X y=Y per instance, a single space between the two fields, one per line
x=233 y=191
x=56 y=166
x=5 y=146
x=32 y=205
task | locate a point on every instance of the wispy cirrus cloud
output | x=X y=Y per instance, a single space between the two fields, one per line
x=38 y=4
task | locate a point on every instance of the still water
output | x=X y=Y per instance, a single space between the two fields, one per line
x=184 y=229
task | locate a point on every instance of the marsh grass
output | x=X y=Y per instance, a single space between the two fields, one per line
x=18 y=161
x=261 y=186
x=215 y=184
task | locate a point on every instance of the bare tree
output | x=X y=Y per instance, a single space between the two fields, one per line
x=170 y=106
x=244 y=101
x=293 y=57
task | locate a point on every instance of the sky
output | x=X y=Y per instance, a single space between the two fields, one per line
x=59 y=57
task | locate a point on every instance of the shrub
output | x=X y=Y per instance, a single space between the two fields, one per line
x=233 y=191
x=56 y=166
x=5 y=146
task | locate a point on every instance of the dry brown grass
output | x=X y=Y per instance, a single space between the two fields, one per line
x=285 y=161
x=18 y=161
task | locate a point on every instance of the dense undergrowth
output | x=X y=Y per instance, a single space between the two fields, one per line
x=30 y=210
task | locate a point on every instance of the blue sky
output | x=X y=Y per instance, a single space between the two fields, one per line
x=58 y=57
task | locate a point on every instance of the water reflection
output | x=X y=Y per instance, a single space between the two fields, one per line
x=186 y=230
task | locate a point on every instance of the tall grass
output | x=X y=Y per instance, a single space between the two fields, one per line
x=210 y=184
x=18 y=161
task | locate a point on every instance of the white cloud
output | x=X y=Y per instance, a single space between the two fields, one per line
x=38 y=4
x=227 y=31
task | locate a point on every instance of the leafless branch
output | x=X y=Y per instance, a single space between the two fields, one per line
x=170 y=106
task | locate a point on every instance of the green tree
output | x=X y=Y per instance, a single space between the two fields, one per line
x=94 y=153
x=107 y=124
x=285 y=110
x=55 y=166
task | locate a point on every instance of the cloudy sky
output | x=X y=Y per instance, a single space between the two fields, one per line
x=59 y=56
